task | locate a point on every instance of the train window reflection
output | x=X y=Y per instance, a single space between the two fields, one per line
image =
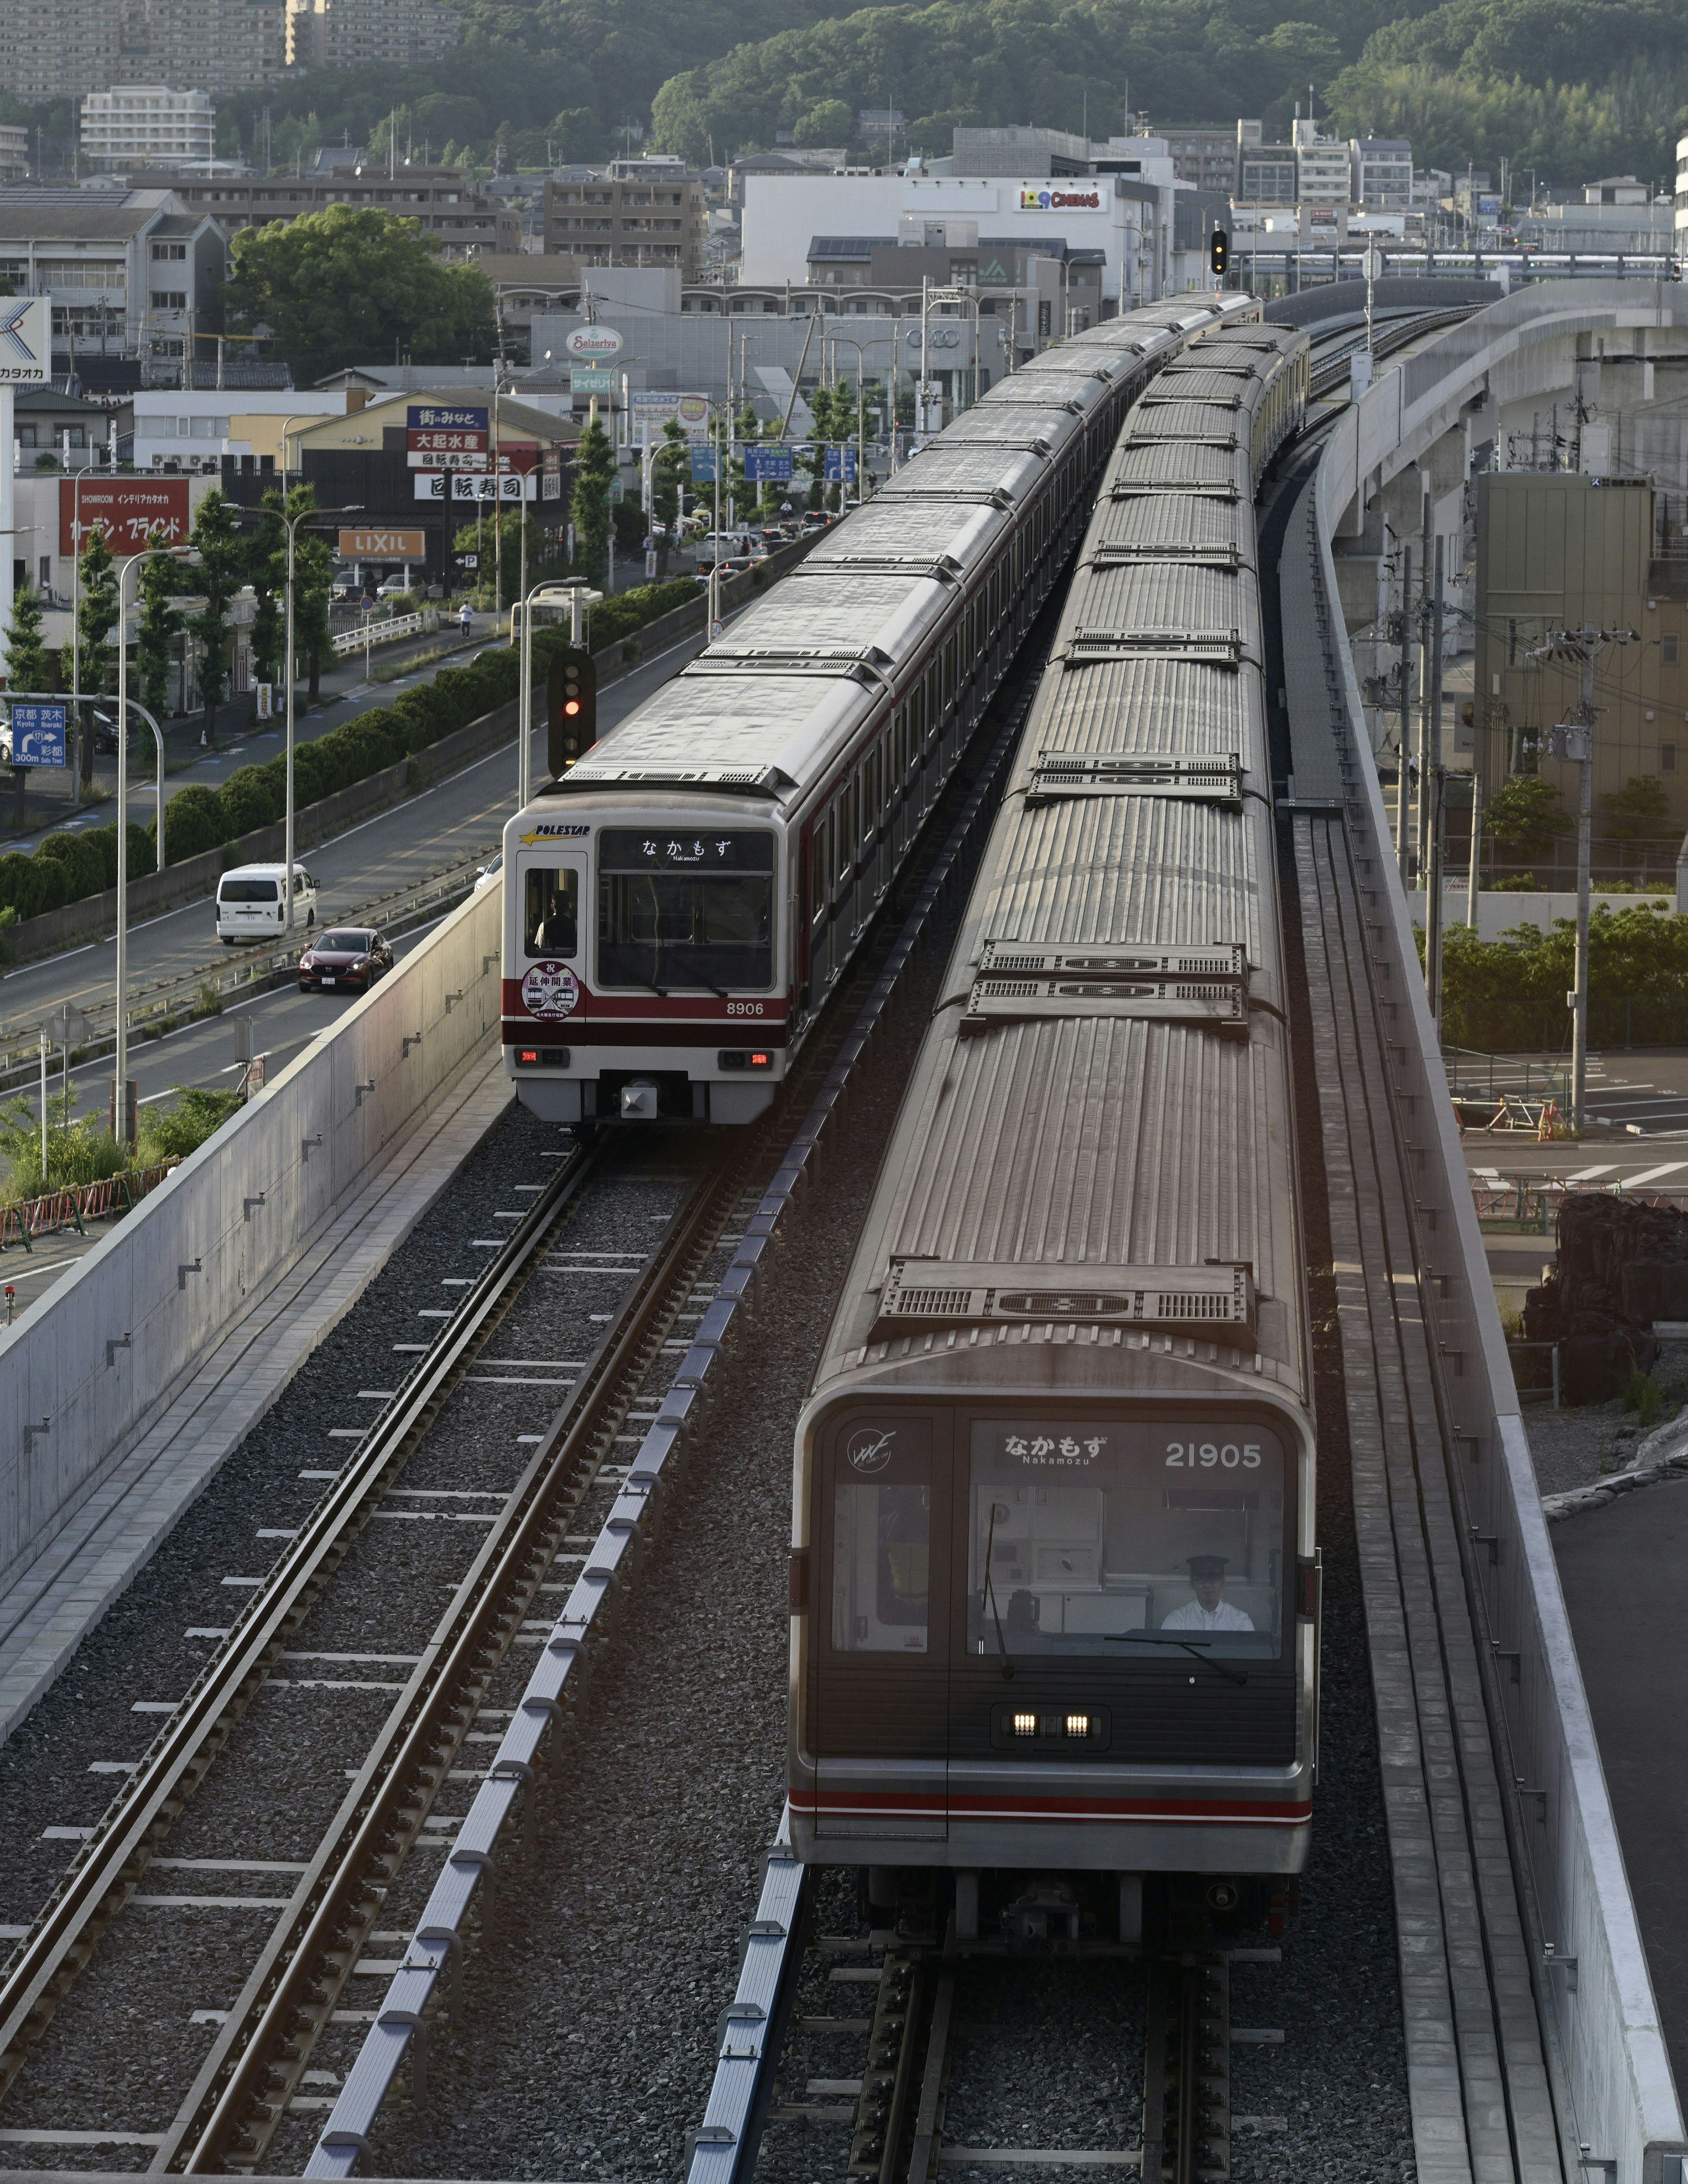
x=881 y=1547
x=1126 y=1540
x=686 y=913
x=550 y=911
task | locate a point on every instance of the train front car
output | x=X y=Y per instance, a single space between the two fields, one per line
x=679 y=906
x=1054 y=1580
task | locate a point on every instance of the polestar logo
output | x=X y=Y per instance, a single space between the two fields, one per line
x=12 y=342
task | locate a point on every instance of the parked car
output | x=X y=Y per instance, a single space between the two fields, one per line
x=350 y=955
x=251 y=903
x=488 y=873
x=393 y=587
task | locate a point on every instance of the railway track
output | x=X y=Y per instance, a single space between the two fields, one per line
x=559 y=1525
x=1330 y=373
x=897 y=2049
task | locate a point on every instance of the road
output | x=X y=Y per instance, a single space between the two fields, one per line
x=456 y=822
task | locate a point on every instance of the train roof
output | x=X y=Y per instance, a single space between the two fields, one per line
x=834 y=614
x=1202 y=610
x=929 y=537
x=762 y=731
x=950 y=471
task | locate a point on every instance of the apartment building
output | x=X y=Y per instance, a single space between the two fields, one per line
x=128 y=269
x=644 y=212
x=53 y=49
x=439 y=197
x=340 y=34
x=15 y=152
x=1206 y=157
x=147 y=126
x=1380 y=176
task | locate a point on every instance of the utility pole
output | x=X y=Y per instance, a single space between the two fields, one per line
x=1573 y=740
x=1425 y=612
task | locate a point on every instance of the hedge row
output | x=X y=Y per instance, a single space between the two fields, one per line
x=66 y=867
x=1508 y=995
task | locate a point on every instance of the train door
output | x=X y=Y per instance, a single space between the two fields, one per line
x=879 y=1696
x=552 y=905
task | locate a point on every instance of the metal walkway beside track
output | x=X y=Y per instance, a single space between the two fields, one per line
x=1533 y=2046
x=1477 y=2074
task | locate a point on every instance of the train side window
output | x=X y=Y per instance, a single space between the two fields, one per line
x=843 y=837
x=933 y=705
x=820 y=869
x=882 y=1556
x=550 y=911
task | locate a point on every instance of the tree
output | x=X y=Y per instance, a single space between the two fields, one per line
x=26 y=656
x=1526 y=816
x=313 y=582
x=332 y=287
x=668 y=472
x=509 y=522
x=222 y=551
x=160 y=625
x=266 y=571
x=594 y=470
x=1639 y=811
x=96 y=619
x=828 y=122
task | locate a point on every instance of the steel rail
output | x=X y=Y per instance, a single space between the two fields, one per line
x=46 y=1962
x=243 y=2087
x=401 y=2027
x=1328 y=378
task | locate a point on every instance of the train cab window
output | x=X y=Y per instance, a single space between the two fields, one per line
x=1134 y=1542
x=550 y=911
x=685 y=911
x=882 y=1549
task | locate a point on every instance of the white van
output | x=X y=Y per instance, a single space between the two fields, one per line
x=251 y=903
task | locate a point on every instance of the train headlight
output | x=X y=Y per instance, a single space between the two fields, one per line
x=1025 y=1724
x=1078 y=1724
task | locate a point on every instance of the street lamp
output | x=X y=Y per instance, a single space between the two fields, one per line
x=966 y=299
x=121 y=1058
x=291 y=523
x=872 y=342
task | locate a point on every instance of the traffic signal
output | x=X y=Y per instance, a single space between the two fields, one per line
x=571 y=708
x=1218 y=251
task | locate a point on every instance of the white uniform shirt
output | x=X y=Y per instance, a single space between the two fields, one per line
x=1192 y=1616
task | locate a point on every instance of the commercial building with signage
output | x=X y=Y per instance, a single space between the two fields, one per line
x=416 y=465
x=1122 y=218
x=644 y=212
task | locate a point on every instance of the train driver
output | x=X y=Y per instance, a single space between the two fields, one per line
x=1208 y=1611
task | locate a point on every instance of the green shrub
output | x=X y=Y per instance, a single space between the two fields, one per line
x=197 y=1113
x=195 y=821
x=250 y=800
x=67 y=867
x=84 y=867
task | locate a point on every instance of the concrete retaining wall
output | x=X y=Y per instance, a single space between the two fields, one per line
x=1603 y=2029
x=233 y=1219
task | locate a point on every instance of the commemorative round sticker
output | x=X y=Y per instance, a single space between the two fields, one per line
x=550 y=990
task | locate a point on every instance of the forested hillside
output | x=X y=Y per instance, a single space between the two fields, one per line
x=1570 y=89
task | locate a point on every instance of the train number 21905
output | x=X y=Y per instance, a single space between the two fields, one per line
x=1190 y=1455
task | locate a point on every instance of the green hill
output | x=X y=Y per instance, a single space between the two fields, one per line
x=1568 y=88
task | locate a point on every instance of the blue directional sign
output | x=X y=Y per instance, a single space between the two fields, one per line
x=703 y=466
x=38 y=735
x=767 y=466
x=840 y=466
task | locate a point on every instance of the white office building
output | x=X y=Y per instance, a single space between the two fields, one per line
x=1123 y=209
x=148 y=125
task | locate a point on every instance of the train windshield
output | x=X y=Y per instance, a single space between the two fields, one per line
x=1129 y=1541
x=685 y=912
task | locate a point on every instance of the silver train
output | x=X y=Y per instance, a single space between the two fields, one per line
x=679 y=906
x=1055 y=1589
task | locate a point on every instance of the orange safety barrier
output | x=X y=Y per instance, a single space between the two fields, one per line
x=77 y=1204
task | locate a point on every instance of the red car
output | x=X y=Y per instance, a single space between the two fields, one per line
x=351 y=956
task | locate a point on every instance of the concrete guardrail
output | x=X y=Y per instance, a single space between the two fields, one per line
x=1598 y=2009
x=91 y=1364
